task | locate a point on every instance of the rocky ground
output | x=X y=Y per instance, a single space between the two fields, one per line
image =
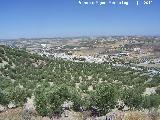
x=17 y=113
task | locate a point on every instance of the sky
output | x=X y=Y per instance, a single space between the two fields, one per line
x=60 y=18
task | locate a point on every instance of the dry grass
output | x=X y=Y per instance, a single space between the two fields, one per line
x=16 y=114
x=133 y=115
x=12 y=114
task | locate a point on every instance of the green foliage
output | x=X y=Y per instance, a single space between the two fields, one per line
x=18 y=95
x=76 y=98
x=155 y=81
x=4 y=100
x=49 y=99
x=104 y=97
x=2 y=50
x=132 y=97
x=151 y=101
x=158 y=90
x=83 y=86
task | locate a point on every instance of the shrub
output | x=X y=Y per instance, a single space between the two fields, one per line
x=49 y=99
x=4 y=100
x=104 y=97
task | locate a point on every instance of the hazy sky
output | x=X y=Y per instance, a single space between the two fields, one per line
x=49 y=18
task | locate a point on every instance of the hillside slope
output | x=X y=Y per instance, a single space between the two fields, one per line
x=54 y=81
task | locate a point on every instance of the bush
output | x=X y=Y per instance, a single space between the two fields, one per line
x=104 y=97
x=158 y=90
x=132 y=97
x=151 y=101
x=4 y=100
x=18 y=95
x=2 y=49
x=49 y=99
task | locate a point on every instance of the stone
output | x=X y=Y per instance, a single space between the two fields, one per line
x=2 y=108
x=11 y=105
